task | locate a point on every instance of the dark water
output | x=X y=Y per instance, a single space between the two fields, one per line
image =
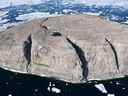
x=17 y=84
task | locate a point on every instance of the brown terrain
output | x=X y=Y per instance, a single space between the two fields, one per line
x=73 y=48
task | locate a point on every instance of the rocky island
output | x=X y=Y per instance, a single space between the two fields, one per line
x=73 y=48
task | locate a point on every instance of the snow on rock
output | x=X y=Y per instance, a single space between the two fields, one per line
x=126 y=22
x=110 y=95
x=122 y=3
x=9 y=94
x=6 y=3
x=3 y=21
x=31 y=16
x=117 y=83
x=101 y=88
x=3 y=13
x=52 y=88
x=49 y=89
x=55 y=90
x=90 y=13
x=34 y=15
x=24 y=17
x=7 y=25
x=50 y=84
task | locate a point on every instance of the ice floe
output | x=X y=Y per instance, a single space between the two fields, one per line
x=110 y=95
x=101 y=88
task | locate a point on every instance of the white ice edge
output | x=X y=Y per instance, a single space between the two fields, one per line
x=25 y=18
x=36 y=15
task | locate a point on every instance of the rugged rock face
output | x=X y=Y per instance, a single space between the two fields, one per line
x=73 y=48
x=104 y=43
x=32 y=48
x=53 y=56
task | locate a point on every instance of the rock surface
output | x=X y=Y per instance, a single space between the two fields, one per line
x=72 y=48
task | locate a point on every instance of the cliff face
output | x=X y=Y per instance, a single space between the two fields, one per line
x=104 y=43
x=73 y=48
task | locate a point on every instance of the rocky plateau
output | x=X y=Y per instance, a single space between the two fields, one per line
x=73 y=48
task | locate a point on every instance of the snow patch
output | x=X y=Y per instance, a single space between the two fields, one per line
x=23 y=18
x=7 y=25
x=110 y=95
x=50 y=84
x=3 y=21
x=122 y=3
x=117 y=83
x=6 y=3
x=56 y=90
x=2 y=13
x=52 y=88
x=101 y=88
x=90 y=13
x=9 y=94
x=126 y=22
x=35 y=15
x=49 y=89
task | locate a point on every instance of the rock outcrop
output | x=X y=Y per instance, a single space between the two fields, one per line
x=73 y=48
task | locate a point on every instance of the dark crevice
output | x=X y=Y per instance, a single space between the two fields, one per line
x=45 y=27
x=42 y=25
x=82 y=58
x=27 y=50
x=115 y=53
x=56 y=34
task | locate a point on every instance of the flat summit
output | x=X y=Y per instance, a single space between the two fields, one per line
x=73 y=48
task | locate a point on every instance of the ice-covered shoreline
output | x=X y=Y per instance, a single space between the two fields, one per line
x=15 y=14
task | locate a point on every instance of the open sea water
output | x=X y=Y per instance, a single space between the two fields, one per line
x=17 y=84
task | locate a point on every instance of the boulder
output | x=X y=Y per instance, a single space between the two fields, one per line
x=73 y=48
